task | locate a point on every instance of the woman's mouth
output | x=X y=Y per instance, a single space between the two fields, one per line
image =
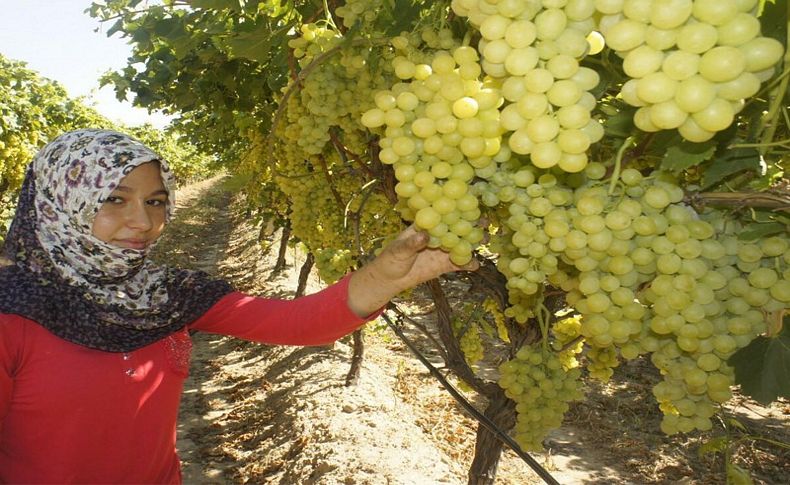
x=133 y=243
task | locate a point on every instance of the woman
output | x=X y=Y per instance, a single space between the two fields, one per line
x=94 y=337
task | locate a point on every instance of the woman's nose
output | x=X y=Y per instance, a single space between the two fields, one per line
x=138 y=217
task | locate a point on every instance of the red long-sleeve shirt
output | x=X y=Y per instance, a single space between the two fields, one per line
x=70 y=414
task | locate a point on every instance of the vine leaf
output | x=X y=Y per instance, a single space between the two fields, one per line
x=773 y=20
x=215 y=4
x=256 y=44
x=402 y=16
x=714 y=445
x=762 y=368
x=762 y=230
x=687 y=154
x=733 y=161
x=619 y=124
x=737 y=475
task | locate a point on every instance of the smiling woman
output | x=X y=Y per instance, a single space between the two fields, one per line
x=134 y=214
x=94 y=336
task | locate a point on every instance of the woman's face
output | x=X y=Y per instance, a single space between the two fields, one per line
x=133 y=216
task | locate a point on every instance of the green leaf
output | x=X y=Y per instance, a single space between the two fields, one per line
x=687 y=154
x=116 y=27
x=620 y=125
x=215 y=4
x=758 y=231
x=731 y=162
x=714 y=445
x=737 y=475
x=734 y=423
x=762 y=368
x=773 y=20
x=167 y=27
x=766 y=215
x=404 y=15
x=256 y=44
x=142 y=37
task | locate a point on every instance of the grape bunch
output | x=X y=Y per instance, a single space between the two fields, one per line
x=647 y=274
x=542 y=388
x=333 y=95
x=332 y=264
x=319 y=146
x=468 y=335
x=691 y=62
x=534 y=49
x=439 y=130
x=567 y=342
x=353 y=10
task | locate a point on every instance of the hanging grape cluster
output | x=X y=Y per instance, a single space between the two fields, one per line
x=651 y=275
x=534 y=50
x=506 y=129
x=320 y=148
x=439 y=130
x=692 y=63
x=536 y=380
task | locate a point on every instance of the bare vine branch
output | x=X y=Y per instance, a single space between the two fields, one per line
x=328 y=177
x=765 y=200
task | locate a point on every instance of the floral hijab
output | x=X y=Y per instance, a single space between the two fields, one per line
x=80 y=288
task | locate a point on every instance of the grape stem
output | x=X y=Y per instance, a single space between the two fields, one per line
x=329 y=181
x=347 y=154
x=329 y=19
x=571 y=343
x=618 y=161
x=543 y=316
x=768 y=124
x=358 y=214
x=785 y=143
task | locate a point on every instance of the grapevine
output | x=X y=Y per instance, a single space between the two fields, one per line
x=620 y=163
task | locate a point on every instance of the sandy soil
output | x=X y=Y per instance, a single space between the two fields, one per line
x=262 y=414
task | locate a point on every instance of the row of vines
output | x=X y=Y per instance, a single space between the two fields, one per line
x=616 y=165
x=34 y=109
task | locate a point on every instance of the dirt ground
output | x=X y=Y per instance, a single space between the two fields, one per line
x=267 y=414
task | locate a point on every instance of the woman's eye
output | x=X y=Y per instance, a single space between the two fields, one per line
x=157 y=203
x=113 y=200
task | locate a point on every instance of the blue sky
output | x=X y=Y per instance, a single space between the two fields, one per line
x=58 y=40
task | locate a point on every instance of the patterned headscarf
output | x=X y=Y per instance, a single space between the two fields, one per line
x=80 y=288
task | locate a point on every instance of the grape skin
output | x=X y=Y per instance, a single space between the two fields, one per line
x=709 y=46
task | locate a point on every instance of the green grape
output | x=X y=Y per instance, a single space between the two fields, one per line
x=691 y=63
x=542 y=388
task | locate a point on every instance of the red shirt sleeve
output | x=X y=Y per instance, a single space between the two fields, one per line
x=316 y=319
x=10 y=342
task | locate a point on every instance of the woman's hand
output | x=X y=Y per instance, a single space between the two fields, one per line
x=404 y=263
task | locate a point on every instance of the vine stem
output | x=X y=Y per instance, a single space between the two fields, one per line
x=766 y=200
x=768 y=124
x=345 y=153
x=618 y=161
x=329 y=181
x=543 y=315
x=759 y=145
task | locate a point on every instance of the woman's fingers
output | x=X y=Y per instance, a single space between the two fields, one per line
x=408 y=243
